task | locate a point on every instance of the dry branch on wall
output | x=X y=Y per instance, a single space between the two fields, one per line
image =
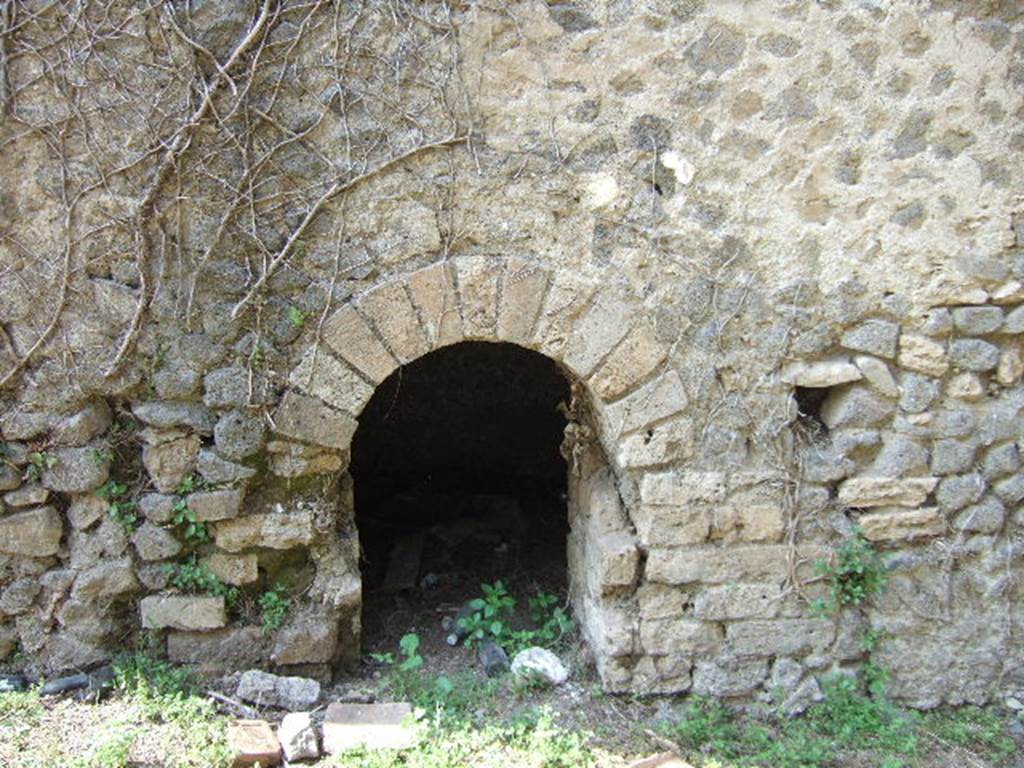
x=186 y=148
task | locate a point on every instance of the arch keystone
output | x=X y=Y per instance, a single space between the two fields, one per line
x=522 y=293
x=477 y=278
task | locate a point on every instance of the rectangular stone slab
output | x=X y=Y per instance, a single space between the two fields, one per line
x=373 y=726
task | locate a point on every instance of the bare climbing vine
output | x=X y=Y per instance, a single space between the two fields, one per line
x=174 y=146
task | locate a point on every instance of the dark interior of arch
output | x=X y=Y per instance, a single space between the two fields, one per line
x=459 y=480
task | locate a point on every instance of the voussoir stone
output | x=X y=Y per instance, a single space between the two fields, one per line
x=187 y=612
x=886 y=491
x=310 y=420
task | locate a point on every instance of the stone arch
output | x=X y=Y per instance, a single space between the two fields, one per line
x=602 y=340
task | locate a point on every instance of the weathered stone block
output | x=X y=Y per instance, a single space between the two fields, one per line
x=877 y=374
x=902 y=524
x=876 y=337
x=77 y=470
x=977 y=321
x=216 y=470
x=738 y=601
x=660 y=601
x=748 y=522
x=34 y=533
x=310 y=420
x=169 y=463
x=984 y=517
x=106 y=579
x=1010 y=368
x=615 y=559
x=298 y=736
x=321 y=375
x=264 y=689
x=779 y=637
x=348 y=334
x=1014 y=322
x=188 y=612
x=155 y=543
x=221 y=649
x=215 y=505
x=276 y=530
x=27 y=496
x=1011 y=490
x=974 y=355
x=636 y=357
x=165 y=414
x=232 y=569
x=238 y=435
x=715 y=565
x=253 y=743
x=391 y=311
x=921 y=354
x=158 y=507
x=477 y=279
x=600 y=328
x=522 y=292
x=728 y=679
x=688 y=637
x=886 y=491
x=83 y=426
x=306 y=640
x=432 y=291
x=827 y=373
x=86 y=510
x=669 y=442
x=854 y=405
x=949 y=456
x=957 y=491
x=234 y=386
x=966 y=386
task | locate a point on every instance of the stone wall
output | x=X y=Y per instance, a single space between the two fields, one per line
x=778 y=249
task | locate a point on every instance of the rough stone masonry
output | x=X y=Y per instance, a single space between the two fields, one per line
x=778 y=247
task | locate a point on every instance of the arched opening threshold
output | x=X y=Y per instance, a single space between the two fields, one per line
x=459 y=480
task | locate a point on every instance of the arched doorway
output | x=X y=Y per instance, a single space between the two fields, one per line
x=459 y=480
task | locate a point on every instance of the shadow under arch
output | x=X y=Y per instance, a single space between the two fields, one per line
x=459 y=479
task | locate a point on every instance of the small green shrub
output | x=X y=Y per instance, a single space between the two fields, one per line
x=122 y=510
x=275 y=605
x=856 y=575
x=490 y=615
x=296 y=316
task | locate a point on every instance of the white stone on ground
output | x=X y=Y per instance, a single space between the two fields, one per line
x=541 y=665
x=298 y=737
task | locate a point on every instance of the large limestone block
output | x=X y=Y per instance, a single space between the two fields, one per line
x=522 y=293
x=778 y=637
x=902 y=524
x=717 y=565
x=188 y=612
x=886 y=491
x=264 y=689
x=728 y=678
x=686 y=636
x=35 y=533
x=392 y=313
x=738 y=601
x=615 y=560
x=320 y=374
x=348 y=334
x=232 y=569
x=275 y=530
x=306 y=639
x=432 y=291
x=310 y=420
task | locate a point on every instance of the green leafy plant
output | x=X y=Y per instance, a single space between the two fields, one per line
x=39 y=462
x=195 y=578
x=192 y=529
x=489 y=616
x=296 y=316
x=855 y=574
x=410 y=647
x=188 y=484
x=121 y=509
x=275 y=605
x=99 y=458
